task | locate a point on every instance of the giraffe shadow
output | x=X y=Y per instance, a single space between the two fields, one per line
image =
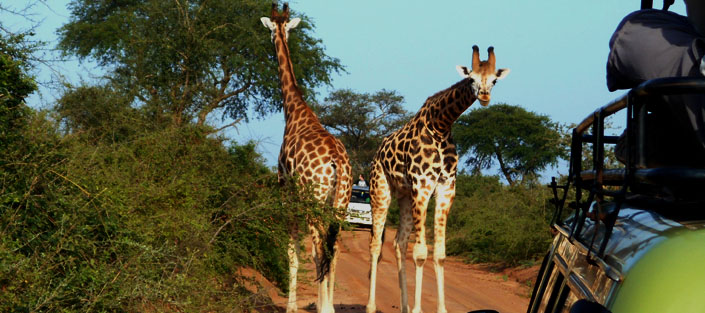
x=343 y=308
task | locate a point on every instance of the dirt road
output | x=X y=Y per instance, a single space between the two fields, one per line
x=467 y=287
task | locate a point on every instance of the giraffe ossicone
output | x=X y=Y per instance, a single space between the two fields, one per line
x=419 y=161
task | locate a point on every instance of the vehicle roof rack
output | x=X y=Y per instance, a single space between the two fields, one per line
x=648 y=4
x=624 y=184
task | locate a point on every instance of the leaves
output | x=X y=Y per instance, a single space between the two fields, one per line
x=522 y=142
x=188 y=58
x=361 y=121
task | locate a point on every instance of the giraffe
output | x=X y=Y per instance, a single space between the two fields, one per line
x=317 y=157
x=418 y=161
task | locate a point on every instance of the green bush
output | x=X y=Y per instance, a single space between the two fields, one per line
x=157 y=220
x=490 y=222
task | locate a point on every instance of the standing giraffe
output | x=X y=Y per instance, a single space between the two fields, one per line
x=418 y=161
x=317 y=157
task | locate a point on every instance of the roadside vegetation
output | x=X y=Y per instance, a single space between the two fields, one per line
x=123 y=196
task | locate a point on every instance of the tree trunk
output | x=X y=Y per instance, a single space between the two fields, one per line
x=503 y=167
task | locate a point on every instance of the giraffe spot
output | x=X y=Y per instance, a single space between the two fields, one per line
x=427 y=152
x=308 y=173
x=426 y=139
x=419 y=125
x=321 y=150
x=418 y=159
x=425 y=166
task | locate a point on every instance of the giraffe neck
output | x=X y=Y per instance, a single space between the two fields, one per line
x=442 y=109
x=293 y=99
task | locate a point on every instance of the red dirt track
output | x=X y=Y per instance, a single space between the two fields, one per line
x=467 y=287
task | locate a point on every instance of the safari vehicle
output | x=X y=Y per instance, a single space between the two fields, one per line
x=359 y=210
x=635 y=240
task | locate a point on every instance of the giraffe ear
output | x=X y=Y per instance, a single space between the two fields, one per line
x=267 y=23
x=463 y=71
x=292 y=24
x=502 y=73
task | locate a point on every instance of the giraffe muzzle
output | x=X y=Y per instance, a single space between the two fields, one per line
x=484 y=98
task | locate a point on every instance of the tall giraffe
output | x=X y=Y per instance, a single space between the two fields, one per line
x=418 y=161
x=317 y=157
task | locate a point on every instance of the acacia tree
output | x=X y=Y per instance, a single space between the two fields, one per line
x=521 y=142
x=186 y=59
x=361 y=121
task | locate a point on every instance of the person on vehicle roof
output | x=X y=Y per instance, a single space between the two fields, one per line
x=650 y=44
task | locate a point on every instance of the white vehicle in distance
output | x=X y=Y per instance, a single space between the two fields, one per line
x=359 y=209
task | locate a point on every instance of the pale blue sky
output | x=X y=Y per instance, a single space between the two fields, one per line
x=556 y=50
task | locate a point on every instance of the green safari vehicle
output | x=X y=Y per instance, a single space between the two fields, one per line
x=635 y=241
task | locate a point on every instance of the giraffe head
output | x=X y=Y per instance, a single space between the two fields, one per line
x=279 y=21
x=483 y=75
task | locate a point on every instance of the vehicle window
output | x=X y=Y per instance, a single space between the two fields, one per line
x=568 y=303
x=555 y=283
x=359 y=196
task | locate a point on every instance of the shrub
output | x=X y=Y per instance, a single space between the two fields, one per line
x=490 y=222
x=158 y=220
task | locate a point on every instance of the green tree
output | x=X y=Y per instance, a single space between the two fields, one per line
x=521 y=142
x=185 y=59
x=361 y=121
x=15 y=85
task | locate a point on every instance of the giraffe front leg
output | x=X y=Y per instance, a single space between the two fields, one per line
x=445 y=193
x=292 y=253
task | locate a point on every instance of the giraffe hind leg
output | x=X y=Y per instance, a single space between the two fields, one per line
x=401 y=243
x=380 y=200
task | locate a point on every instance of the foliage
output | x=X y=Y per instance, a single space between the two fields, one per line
x=521 y=142
x=160 y=220
x=99 y=113
x=361 y=121
x=15 y=86
x=491 y=222
x=188 y=58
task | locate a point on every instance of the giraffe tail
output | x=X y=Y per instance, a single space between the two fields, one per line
x=331 y=235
